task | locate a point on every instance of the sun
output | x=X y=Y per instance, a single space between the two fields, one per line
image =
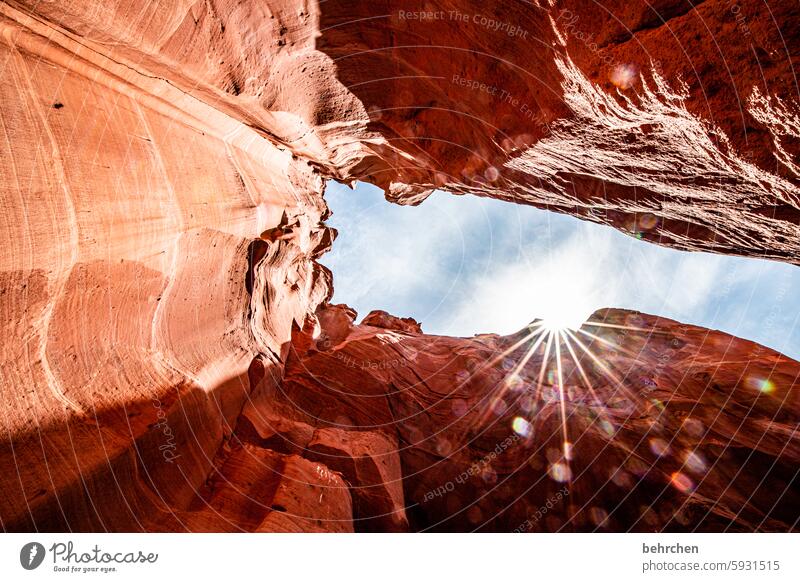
x=562 y=313
x=558 y=337
x=561 y=322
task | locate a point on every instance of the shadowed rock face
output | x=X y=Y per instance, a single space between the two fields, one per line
x=654 y=426
x=169 y=358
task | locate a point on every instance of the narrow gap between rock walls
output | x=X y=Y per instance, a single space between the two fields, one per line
x=463 y=265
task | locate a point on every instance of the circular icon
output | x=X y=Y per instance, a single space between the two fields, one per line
x=31 y=555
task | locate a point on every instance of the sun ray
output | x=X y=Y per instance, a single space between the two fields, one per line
x=609 y=344
x=541 y=332
x=625 y=327
x=562 y=398
x=603 y=410
x=542 y=371
x=515 y=371
x=620 y=384
x=521 y=364
x=508 y=350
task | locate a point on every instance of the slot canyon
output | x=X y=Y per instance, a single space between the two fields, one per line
x=172 y=359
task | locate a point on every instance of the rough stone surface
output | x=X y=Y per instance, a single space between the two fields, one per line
x=669 y=427
x=674 y=121
x=166 y=364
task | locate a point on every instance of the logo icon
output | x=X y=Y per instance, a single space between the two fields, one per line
x=31 y=555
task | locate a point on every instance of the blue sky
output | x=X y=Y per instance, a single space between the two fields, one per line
x=463 y=265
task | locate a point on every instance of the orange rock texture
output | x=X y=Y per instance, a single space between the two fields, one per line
x=170 y=360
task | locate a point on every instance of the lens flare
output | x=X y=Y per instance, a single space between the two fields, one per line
x=660 y=447
x=763 y=385
x=521 y=426
x=561 y=321
x=560 y=472
x=695 y=462
x=682 y=482
x=568 y=357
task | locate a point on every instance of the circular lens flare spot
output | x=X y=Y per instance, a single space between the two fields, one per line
x=660 y=447
x=695 y=462
x=607 y=428
x=763 y=385
x=522 y=427
x=514 y=382
x=599 y=516
x=560 y=472
x=528 y=404
x=694 y=427
x=489 y=475
x=624 y=76
x=459 y=407
x=682 y=482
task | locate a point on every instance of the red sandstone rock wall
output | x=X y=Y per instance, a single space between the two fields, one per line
x=670 y=121
x=673 y=122
x=662 y=433
x=161 y=177
x=129 y=211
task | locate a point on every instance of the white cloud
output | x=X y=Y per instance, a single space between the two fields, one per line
x=464 y=265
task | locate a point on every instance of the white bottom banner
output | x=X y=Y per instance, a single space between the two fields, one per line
x=407 y=557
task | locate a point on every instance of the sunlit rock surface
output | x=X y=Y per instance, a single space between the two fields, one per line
x=674 y=121
x=161 y=176
x=136 y=289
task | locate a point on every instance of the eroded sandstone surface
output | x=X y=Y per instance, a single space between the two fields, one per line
x=633 y=423
x=170 y=361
